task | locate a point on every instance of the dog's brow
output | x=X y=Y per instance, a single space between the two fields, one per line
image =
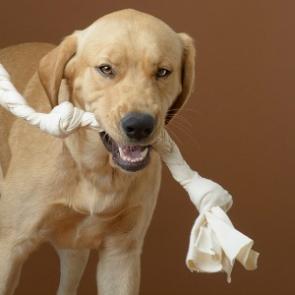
x=106 y=59
x=112 y=52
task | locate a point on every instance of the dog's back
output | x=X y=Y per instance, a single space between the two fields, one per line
x=21 y=61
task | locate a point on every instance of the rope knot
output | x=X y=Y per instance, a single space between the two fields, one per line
x=63 y=120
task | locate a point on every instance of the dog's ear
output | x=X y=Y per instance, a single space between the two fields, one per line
x=188 y=75
x=51 y=67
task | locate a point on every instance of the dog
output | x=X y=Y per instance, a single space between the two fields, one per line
x=89 y=190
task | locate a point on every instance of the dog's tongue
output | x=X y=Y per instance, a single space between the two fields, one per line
x=133 y=153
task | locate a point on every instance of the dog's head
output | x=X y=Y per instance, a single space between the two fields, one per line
x=132 y=71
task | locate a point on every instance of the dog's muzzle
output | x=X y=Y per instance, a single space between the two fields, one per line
x=128 y=157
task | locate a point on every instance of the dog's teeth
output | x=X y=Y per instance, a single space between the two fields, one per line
x=122 y=155
x=127 y=158
x=144 y=153
x=121 y=152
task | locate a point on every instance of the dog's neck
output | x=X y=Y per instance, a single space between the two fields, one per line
x=93 y=160
x=87 y=150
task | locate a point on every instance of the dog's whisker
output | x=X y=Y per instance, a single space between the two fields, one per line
x=186 y=110
x=175 y=136
x=185 y=133
x=182 y=120
x=182 y=131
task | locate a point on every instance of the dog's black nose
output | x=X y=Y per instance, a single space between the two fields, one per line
x=138 y=125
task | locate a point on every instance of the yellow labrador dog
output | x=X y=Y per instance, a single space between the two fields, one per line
x=90 y=191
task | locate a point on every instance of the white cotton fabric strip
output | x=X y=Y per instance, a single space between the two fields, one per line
x=214 y=242
x=63 y=119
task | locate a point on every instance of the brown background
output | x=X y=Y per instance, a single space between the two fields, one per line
x=240 y=133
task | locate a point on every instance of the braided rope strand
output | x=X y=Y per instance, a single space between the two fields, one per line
x=63 y=119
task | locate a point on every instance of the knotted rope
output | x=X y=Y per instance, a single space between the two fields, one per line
x=214 y=242
x=63 y=119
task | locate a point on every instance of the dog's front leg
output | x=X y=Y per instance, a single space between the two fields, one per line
x=72 y=264
x=12 y=258
x=118 y=272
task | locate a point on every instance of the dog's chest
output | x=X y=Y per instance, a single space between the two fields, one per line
x=76 y=231
x=98 y=195
x=88 y=215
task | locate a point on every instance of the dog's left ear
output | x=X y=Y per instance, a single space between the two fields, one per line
x=188 y=75
x=52 y=66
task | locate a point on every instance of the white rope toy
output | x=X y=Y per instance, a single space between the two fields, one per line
x=63 y=119
x=214 y=242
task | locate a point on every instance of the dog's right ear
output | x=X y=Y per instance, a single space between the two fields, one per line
x=51 y=67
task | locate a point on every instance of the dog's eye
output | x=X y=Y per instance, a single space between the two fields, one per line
x=106 y=70
x=162 y=73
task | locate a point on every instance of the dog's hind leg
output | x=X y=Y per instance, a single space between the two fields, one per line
x=72 y=266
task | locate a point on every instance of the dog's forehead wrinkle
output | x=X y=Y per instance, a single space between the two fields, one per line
x=142 y=87
x=116 y=49
x=155 y=48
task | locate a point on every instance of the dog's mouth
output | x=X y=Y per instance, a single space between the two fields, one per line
x=128 y=157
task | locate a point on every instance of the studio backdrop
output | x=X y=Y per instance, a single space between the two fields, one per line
x=237 y=129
